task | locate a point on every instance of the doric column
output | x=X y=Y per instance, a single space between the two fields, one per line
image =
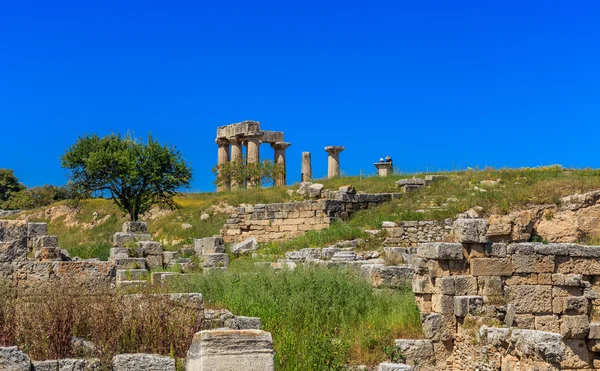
x=253 y=153
x=236 y=156
x=306 y=167
x=333 y=161
x=280 y=148
x=222 y=159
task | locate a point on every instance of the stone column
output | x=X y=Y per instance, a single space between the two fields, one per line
x=306 y=167
x=253 y=153
x=384 y=168
x=280 y=148
x=222 y=159
x=236 y=156
x=333 y=161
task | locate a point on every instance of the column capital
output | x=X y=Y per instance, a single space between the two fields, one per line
x=238 y=139
x=334 y=149
x=222 y=142
x=281 y=145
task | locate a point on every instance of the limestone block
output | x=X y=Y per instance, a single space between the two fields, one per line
x=416 y=351
x=550 y=323
x=131 y=263
x=122 y=239
x=209 y=245
x=142 y=362
x=496 y=250
x=491 y=267
x=576 y=355
x=118 y=253
x=11 y=230
x=48 y=254
x=496 y=336
x=548 y=345
x=44 y=241
x=243 y=323
x=215 y=261
x=249 y=350
x=131 y=274
x=344 y=256
x=37 y=229
x=154 y=261
x=442 y=303
x=470 y=231
x=387 y=276
x=583 y=266
x=525 y=263
x=135 y=227
x=574 y=327
x=489 y=286
x=440 y=250
x=170 y=257
x=422 y=285
x=146 y=248
x=69 y=364
x=530 y=298
x=560 y=279
x=438 y=327
x=509 y=318
x=576 y=305
x=525 y=321
x=245 y=247
x=411 y=182
x=594 y=331
x=387 y=366
x=13 y=251
x=464 y=305
x=162 y=277
x=445 y=285
x=12 y=359
x=465 y=285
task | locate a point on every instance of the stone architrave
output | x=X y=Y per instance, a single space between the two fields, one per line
x=333 y=161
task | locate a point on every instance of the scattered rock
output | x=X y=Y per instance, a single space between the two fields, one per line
x=204 y=216
x=186 y=226
x=245 y=247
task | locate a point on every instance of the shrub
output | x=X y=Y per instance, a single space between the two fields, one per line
x=9 y=184
x=36 y=197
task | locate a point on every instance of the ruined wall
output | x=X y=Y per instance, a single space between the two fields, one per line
x=411 y=233
x=549 y=291
x=284 y=221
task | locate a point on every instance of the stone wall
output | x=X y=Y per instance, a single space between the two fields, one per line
x=411 y=233
x=283 y=221
x=547 y=296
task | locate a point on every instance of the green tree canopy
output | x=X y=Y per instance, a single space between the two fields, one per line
x=9 y=184
x=135 y=174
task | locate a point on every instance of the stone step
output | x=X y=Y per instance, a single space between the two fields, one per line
x=162 y=277
x=132 y=283
x=344 y=256
x=131 y=263
x=132 y=274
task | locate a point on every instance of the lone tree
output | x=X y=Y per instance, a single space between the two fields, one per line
x=137 y=175
x=9 y=184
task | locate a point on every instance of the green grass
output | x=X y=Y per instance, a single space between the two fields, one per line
x=320 y=319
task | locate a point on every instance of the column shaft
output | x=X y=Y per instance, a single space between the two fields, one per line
x=253 y=153
x=236 y=157
x=222 y=159
x=306 y=167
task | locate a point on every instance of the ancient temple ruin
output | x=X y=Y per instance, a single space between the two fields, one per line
x=231 y=138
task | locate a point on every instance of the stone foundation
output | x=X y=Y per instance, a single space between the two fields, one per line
x=411 y=233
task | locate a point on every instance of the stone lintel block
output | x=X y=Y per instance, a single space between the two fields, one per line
x=131 y=263
x=250 y=350
x=491 y=267
x=464 y=305
x=440 y=251
x=122 y=239
x=135 y=227
x=37 y=229
x=146 y=248
x=44 y=241
x=470 y=230
x=131 y=274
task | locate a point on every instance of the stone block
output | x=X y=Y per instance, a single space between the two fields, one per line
x=142 y=362
x=11 y=230
x=48 y=254
x=574 y=305
x=438 y=327
x=440 y=251
x=68 y=364
x=416 y=351
x=583 y=266
x=547 y=345
x=525 y=321
x=146 y=248
x=422 y=285
x=532 y=263
x=249 y=350
x=442 y=303
x=445 y=286
x=215 y=261
x=243 y=323
x=209 y=245
x=135 y=227
x=574 y=327
x=387 y=366
x=576 y=355
x=245 y=247
x=491 y=267
x=381 y=276
x=594 y=331
x=122 y=239
x=464 y=305
x=550 y=323
x=560 y=279
x=131 y=263
x=465 y=285
x=131 y=274
x=511 y=312
x=44 y=241
x=154 y=261
x=118 y=253
x=13 y=251
x=530 y=298
x=162 y=277
x=170 y=257
x=470 y=231
x=37 y=229
x=12 y=359
x=489 y=286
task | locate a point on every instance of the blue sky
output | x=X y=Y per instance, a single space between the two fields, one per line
x=434 y=84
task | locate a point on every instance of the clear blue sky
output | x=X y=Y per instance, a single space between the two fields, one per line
x=434 y=84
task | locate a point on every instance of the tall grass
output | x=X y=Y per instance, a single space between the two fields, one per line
x=320 y=319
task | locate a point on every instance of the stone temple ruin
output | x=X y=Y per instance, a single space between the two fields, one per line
x=231 y=138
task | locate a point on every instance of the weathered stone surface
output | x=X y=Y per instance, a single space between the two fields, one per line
x=594 y=331
x=154 y=261
x=576 y=355
x=12 y=359
x=13 y=251
x=547 y=345
x=118 y=253
x=438 y=327
x=69 y=364
x=445 y=286
x=532 y=263
x=11 y=230
x=135 y=227
x=209 y=245
x=489 y=286
x=122 y=239
x=131 y=274
x=131 y=263
x=550 y=323
x=37 y=229
x=470 y=230
x=422 y=285
x=249 y=350
x=44 y=241
x=583 y=266
x=146 y=248
x=491 y=267
x=416 y=351
x=509 y=318
x=387 y=276
x=215 y=261
x=514 y=227
x=530 y=298
x=170 y=257
x=442 y=303
x=387 y=366
x=464 y=305
x=243 y=323
x=142 y=362
x=465 y=285
x=440 y=250
x=245 y=247
x=574 y=327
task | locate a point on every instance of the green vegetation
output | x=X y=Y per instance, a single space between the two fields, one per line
x=9 y=184
x=136 y=175
x=244 y=173
x=320 y=319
